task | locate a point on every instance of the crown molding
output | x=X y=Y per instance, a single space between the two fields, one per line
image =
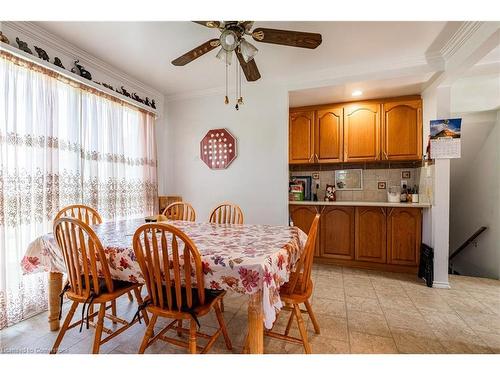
x=58 y=44
x=457 y=40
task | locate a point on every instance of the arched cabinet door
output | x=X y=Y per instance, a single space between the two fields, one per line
x=402 y=130
x=371 y=236
x=404 y=231
x=301 y=137
x=362 y=132
x=302 y=217
x=328 y=134
x=337 y=233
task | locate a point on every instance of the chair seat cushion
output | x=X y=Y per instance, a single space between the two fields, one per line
x=210 y=296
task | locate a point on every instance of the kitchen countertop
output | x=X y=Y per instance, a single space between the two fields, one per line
x=359 y=203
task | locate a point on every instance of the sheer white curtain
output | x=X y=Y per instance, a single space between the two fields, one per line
x=62 y=145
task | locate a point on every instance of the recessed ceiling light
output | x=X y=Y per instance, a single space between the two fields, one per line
x=357 y=93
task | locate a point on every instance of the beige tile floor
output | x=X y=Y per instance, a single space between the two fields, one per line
x=359 y=312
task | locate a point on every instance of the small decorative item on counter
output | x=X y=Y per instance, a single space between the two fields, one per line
x=394 y=194
x=414 y=194
x=404 y=194
x=42 y=54
x=23 y=46
x=153 y=105
x=81 y=71
x=58 y=62
x=296 y=192
x=330 y=195
x=315 y=195
x=124 y=92
x=3 y=38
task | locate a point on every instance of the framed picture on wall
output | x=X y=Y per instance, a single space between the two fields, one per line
x=349 y=179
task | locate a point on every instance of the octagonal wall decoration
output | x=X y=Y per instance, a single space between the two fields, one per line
x=218 y=148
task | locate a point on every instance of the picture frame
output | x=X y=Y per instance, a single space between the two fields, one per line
x=349 y=179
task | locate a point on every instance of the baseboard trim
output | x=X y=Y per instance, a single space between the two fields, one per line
x=441 y=285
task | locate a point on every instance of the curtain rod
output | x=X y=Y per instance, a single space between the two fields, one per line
x=74 y=77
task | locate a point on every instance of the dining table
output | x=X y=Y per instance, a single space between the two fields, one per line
x=249 y=259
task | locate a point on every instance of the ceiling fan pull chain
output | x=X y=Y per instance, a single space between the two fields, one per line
x=226 y=99
x=236 y=91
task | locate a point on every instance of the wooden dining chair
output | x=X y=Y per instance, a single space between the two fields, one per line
x=226 y=213
x=180 y=211
x=89 y=216
x=82 y=212
x=89 y=281
x=298 y=290
x=171 y=265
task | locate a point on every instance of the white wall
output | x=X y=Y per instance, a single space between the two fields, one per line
x=257 y=180
x=475 y=196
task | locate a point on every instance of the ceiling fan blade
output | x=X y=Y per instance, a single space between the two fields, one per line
x=196 y=52
x=247 y=25
x=249 y=68
x=210 y=24
x=287 y=37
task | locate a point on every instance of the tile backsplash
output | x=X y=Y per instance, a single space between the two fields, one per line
x=371 y=177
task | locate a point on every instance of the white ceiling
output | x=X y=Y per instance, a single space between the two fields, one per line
x=144 y=50
x=371 y=89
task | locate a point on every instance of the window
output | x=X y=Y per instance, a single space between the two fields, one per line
x=62 y=144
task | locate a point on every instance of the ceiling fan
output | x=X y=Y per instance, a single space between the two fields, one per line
x=232 y=40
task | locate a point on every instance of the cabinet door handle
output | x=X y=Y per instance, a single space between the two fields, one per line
x=390 y=211
x=311 y=158
x=317 y=158
x=385 y=155
x=383 y=211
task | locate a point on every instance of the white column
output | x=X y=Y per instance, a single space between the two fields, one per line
x=437 y=220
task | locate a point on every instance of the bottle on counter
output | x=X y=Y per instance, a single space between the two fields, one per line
x=404 y=194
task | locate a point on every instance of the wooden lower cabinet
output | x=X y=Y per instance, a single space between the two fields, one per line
x=381 y=238
x=302 y=217
x=337 y=232
x=371 y=236
x=404 y=233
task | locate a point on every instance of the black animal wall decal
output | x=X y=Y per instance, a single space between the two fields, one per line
x=58 y=62
x=23 y=46
x=3 y=38
x=42 y=54
x=81 y=71
x=125 y=92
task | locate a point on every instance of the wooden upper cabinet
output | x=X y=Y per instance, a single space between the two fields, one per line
x=370 y=234
x=362 y=132
x=302 y=217
x=337 y=232
x=301 y=137
x=328 y=132
x=404 y=231
x=402 y=130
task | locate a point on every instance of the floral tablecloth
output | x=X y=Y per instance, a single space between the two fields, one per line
x=242 y=258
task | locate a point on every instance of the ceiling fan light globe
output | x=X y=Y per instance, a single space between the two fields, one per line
x=229 y=40
x=226 y=56
x=248 y=50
